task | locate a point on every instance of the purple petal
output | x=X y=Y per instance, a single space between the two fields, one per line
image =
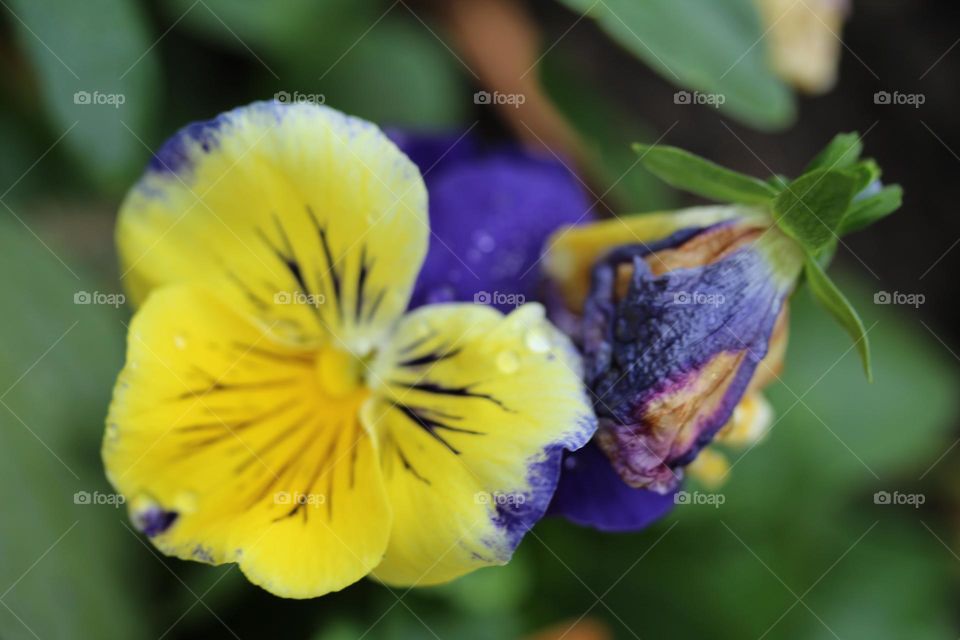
x=490 y=214
x=591 y=493
x=669 y=362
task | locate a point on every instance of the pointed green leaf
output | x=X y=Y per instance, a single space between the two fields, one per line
x=692 y=173
x=834 y=301
x=704 y=46
x=843 y=151
x=811 y=208
x=865 y=212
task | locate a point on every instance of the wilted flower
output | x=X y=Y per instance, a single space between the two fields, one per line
x=678 y=321
x=277 y=408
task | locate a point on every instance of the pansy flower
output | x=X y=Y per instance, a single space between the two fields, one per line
x=279 y=408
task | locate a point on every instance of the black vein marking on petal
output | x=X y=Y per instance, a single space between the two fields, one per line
x=296 y=359
x=362 y=275
x=286 y=255
x=372 y=311
x=247 y=291
x=219 y=387
x=258 y=455
x=354 y=452
x=430 y=358
x=459 y=392
x=239 y=425
x=328 y=256
x=417 y=343
x=420 y=417
x=231 y=429
x=322 y=464
x=274 y=480
x=409 y=467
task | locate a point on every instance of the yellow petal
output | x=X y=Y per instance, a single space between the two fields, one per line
x=710 y=468
x=572 y=251
x=750 y=421
x=229 y=449
x=310 y=221
x=472 y=410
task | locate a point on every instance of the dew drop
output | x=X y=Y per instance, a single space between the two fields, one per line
x=180 y=342
x=537 y=340
x=508 y=361
x=484 y=241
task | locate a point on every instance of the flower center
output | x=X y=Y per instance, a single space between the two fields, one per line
x=339 y=372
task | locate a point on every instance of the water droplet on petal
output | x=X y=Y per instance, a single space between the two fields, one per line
x=484 y=241
x=537 y=340
x=508 y=361
x=180 y=342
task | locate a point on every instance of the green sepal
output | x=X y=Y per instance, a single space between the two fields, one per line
x=697 y=175
x=828 y=295
x=811 y=208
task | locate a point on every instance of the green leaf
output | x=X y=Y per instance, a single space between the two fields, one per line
x=97 y=71
x=842 y=152
x=425 y=84
x=834 y=301
x=697 y=175
x=71 y=567
x=865 y=212
x=810 y=209
x=703 y=45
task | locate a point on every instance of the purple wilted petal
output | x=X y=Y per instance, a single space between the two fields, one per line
x=490 y=214
x=670 y=360
x=591 y=493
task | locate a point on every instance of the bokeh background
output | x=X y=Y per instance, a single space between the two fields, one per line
x=799 y=548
